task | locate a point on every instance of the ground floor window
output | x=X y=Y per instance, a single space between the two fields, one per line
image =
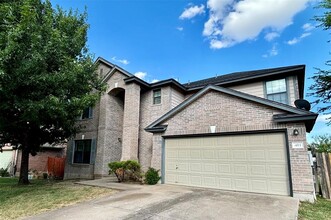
x=82 y=151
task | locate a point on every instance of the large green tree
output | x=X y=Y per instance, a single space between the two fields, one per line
x=321 y=88
x=47 y=75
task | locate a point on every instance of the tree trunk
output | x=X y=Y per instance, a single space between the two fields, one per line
x=24 y=171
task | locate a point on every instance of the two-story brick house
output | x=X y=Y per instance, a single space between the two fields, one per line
x=239 y=131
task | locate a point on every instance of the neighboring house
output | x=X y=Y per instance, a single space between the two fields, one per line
x=7 y=158
x=39 y=162
x=238 y=132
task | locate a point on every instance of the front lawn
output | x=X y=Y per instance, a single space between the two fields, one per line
x=42 y=195
x=321 y=209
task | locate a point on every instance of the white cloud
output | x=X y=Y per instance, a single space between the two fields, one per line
x=305 y=35
x=293 y=41
x=141 y=75
x=180 y=28
x=123 y=61
x=192 y=11
x=307 y=27
x=154 y=80
x=271 y=36
x=272 y=52
x=231 y=22
x=296 y=40
x=323 y=118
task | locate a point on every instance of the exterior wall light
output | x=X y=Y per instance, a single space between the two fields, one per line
x=212 y=129
x=295 y=132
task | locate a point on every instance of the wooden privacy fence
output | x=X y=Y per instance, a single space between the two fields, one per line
x=55 y=167
x=323 y=181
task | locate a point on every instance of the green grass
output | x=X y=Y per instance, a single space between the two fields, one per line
x=41 y=195
x=321 y=209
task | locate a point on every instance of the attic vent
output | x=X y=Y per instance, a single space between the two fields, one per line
x=302 y=104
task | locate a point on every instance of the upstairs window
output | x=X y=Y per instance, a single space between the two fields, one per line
x=276 y=90
x=157 y=96
x=82 y=151
x=87 y=113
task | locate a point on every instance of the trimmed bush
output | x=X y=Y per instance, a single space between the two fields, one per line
x=4 y=172
x=125 y=170
x=152 y=176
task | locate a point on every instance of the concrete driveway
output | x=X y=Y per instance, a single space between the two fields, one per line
x=176 y=202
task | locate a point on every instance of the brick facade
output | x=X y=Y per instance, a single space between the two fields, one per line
x=232 y=114
x=126 y=109
x=39 y=162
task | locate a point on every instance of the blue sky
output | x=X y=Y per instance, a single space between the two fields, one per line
x=192 y=40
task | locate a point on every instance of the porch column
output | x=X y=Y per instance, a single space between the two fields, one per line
x=131 y=122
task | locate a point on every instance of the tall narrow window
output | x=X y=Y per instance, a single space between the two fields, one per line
x=82 y=151
x=276 y=90
x=157 y=96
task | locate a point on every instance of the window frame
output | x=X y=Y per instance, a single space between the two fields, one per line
x=75 y=145
x=89 y=115
x=157 y=97
x=286 y=92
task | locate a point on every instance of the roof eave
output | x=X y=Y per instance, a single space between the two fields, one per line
x=309 y=120
x=243 y=79
x=229 y=92
x=158 y=129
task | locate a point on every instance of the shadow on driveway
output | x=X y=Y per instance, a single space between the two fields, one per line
x=176 y=202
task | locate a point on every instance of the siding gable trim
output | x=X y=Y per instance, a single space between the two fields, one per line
x=153 y=126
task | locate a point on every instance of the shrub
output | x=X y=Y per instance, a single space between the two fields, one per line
x=117 y=169
x=152 y=176
x=133 y=170
x=4 y=172
x=129 y=168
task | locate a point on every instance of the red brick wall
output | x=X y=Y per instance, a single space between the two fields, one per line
x=39 y=162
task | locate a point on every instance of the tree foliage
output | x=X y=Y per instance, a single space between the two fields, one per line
x=322 y=143
x=321 y=88
x=46 y=75
x=325 y=19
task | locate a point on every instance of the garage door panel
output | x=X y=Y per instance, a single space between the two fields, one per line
x=210 y=181
x=182 y=154
x=224 y=154
x=183 y=179
x=196 y=180
x=259 y=186
x=195 y=154
x=196 y=167
x=276 y=155
x=278 y=170
x=239 y=162
x=224 y=168
x=258 y=170
x=279 y=186
x=238 y=141
x=172 y=153
x=209 y=154
x=256 y=141
x=240 y=169
x=241 y=184
x=257 y=155
x=209 y=168
x=239 y=154
x=225 y=183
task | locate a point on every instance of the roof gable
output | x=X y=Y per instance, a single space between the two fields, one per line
x=237 y=78
x=155 y=126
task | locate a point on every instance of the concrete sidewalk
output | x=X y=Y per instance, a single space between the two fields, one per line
x=176 y=202
x=111 y=183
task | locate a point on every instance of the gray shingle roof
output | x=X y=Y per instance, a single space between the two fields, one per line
x=240 y=76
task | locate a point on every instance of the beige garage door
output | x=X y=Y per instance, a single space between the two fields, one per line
x=251 y=163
